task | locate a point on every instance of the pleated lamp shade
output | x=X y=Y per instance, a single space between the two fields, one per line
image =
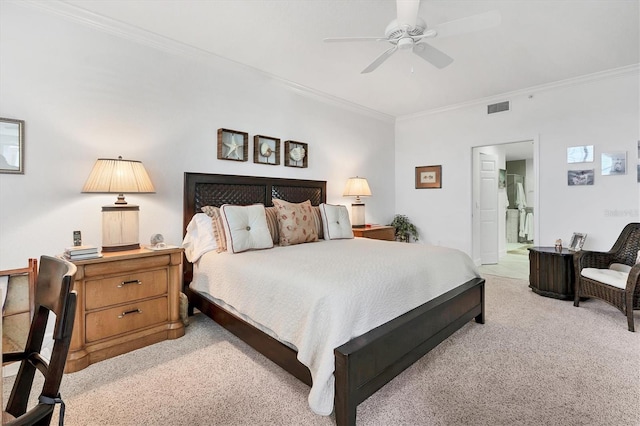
x=119 y=221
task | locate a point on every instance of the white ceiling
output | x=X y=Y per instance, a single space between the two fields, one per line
x=538 y=42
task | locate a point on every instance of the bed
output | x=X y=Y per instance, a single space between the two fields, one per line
x=364 y=363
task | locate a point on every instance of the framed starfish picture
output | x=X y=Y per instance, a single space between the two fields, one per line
x=233 y=145
x=266 y=150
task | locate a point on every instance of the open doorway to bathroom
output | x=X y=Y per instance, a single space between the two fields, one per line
x=504 y=199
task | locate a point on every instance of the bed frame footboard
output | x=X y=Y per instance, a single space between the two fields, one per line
x=368 y=362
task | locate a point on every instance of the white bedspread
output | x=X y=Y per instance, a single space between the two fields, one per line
x=317 y=296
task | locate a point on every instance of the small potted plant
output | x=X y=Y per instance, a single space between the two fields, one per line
x=404 y=228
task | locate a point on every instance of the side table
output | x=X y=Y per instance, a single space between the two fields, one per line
x=551 y=272
x=377 y=232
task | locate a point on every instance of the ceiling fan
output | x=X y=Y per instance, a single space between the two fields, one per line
x=409 y=31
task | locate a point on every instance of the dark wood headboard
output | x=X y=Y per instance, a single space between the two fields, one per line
x=203 y=189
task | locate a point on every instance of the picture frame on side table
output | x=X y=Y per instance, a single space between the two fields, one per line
x=233 y=145
x=11 y=146
x=296 y=154
x=429 y=177
x=266 y=150
x=577 y=241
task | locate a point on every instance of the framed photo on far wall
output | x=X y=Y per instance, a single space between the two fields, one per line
x=428 y=177
x=580 y=177
x=614 y=163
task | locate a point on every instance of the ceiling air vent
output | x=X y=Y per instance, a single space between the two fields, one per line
x=499 y=107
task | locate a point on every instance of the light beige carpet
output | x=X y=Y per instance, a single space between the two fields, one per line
x=536 y=361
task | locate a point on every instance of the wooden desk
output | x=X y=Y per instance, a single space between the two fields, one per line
x=379 y=232
x=551 y=272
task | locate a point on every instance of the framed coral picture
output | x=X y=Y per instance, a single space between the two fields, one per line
x=233 y=145
x=296 y=154
x=266 y=150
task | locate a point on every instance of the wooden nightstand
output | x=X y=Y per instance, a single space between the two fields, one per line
x=387 y=233
x=126 y=300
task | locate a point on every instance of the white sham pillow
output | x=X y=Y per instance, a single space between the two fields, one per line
x=245 y=227
x=335 y=222
x=199 y=238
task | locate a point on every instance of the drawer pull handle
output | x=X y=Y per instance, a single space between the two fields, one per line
x=123 y=283
x=133 y=311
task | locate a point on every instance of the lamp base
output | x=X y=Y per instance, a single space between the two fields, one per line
x=120 y=228
x=357 y=215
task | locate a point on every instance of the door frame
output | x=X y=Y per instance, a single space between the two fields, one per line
x=475 y=191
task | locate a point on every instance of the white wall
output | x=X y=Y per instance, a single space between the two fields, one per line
x=600 y=110
x=86 y=94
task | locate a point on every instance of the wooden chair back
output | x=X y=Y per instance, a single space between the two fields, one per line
x=52 y=294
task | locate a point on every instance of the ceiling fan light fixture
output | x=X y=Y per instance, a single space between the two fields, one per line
x=405 y=43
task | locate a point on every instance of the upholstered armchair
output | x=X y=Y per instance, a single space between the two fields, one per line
x=612 y=276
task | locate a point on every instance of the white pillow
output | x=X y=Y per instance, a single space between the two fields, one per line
x=199 y=238
x=335 y=222
x=245 y=227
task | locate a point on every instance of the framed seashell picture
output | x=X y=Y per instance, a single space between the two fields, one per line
x=233 y=145
x=296 y=154
x=266 y=150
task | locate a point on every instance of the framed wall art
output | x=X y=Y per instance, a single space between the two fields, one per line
x=580 y=177
x=296 y=154
x=428 y=177
x=11 y=146
x=233 y=145
x=580 y=154
x=266 y=150
x=614 y=163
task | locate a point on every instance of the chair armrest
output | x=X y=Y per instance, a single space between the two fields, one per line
x=633 y=281
x=592 y=259
x=13 y=356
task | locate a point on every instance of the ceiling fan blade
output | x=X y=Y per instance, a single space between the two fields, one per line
x=469 y=24
x=347 y=39
x=407 y=11
x=436 y=57
x=379 y=60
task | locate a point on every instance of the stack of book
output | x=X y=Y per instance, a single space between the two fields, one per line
x=81 y=252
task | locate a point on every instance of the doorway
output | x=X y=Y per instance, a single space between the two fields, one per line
x=505 y=207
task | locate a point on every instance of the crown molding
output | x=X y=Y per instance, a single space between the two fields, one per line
x=584 y=79
x=159 y=42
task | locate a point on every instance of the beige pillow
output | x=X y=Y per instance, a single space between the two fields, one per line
x=296 y=222
x=317 y=220
x=245 y=227
x=272 y=223
x=218 y=228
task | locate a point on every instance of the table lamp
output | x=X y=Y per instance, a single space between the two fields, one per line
x=120 y=220
x=357 y=187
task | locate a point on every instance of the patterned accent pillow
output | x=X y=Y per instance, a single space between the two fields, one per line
x=296 y=222
x=272 y=223
x=218 y=228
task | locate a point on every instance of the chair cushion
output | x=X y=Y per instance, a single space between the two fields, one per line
x=612 y=277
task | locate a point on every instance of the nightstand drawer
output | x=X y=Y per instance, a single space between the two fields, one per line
x=125 y=288
x=125 y=318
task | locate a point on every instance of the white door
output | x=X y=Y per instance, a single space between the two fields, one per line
x=488 y=209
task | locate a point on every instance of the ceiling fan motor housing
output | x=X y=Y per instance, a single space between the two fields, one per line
x=395 y=31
